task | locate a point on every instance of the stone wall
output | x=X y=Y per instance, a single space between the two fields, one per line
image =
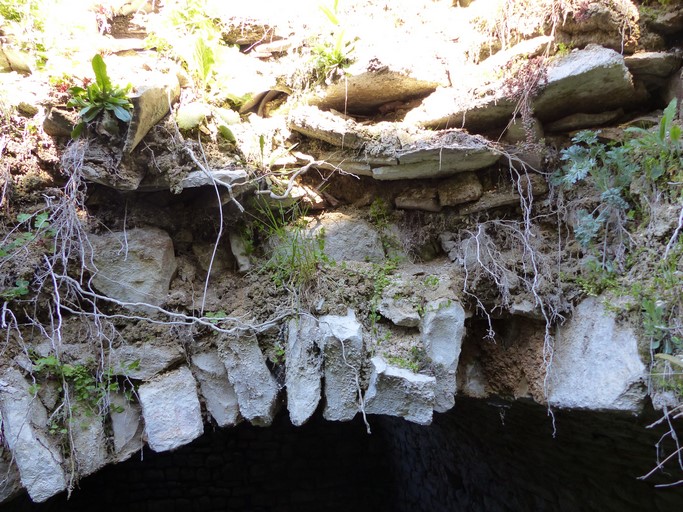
x=486 y=456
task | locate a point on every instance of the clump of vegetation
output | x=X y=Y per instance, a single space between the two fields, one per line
x=331 y=57
x=100 y=98
x=629 y=180
x=81 y=389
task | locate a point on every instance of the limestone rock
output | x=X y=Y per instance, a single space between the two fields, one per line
x=609 y=23
x=24 y=419
x=303 y=362
x=222 y=178
x=648 y=65
x=596 y=364
x=145 y=360
x=580 y=120
x=134 y=266
x=349 y=239
x=342 y=344
x=443 y=328
x=219 y=260
x=255 y=387
x=171 y=410
x=239 y=252
x=127 y=427
x=88 y=442
x=59 y=122
x=459 y=189
x=507 y=195
x=418 y=198
x=218 y=393
x=400 y=311
x=591 y=80
x=151 y=102
x=398 y=392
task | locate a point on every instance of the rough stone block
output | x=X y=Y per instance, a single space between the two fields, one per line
x=303 y=361
x=342 y=352
x=171 y=410
x=443 y=328
x=127 y=427
x=218 y=393
x=398 y=392
x=255 y=387
x=24 y=421
x=134 y=266
x=596 y=363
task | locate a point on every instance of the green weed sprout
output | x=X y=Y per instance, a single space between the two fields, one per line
x=99 y=97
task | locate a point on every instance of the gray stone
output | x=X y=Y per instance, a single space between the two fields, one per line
x=24 y=421
x=255 y=387
x=220 y=261
x=59 y=122
x=398 y=392
x=127 y=426
x=418 y=198
x=151 y=102
x=596 y=363
x=343 y=355
x=507 y=196
x=145 y=360
x=366 y=91
x=401 y=311
x=455 y=160
x=88 y=442
x=648 y=65
x=135 y=266
x=303 y=362
x=443 y=328
x=219 y=177
x=240 y=253
x=591 y=80
x=520 y=132
x=580 y=120
x=219 y=395
x=349 y=239
x=460 y=189
x=171 y=410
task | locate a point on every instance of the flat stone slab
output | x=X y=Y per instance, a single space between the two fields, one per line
x=591 y=80
x=398 y=392
x=171 y=410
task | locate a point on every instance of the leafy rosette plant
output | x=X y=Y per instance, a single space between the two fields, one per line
x=99 y=98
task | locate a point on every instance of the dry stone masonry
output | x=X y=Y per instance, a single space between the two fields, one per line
x=407 y=174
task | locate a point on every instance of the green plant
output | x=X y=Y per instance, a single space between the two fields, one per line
x=432 y=282
x=38 y=230
x=330 y=58
x=658 y=152
x=100 y=98
x=89 y=390
x=298 y=254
